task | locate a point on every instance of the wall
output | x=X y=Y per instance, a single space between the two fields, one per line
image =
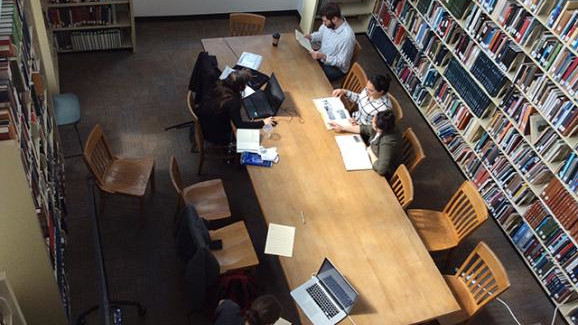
x=149 y=8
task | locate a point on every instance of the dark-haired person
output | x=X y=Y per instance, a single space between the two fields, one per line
x=223 y=106
x=383 y=139
x=265 y=310
x=337 y=41
x=372 y=99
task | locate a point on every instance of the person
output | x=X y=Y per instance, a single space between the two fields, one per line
x=383 y=137
x=337 y=42
x=265 y=310
x=223 y=106
x=372 y=99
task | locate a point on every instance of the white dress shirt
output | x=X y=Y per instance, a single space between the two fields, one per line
x=337 y=44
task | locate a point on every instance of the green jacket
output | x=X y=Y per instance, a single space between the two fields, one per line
x=386 y=149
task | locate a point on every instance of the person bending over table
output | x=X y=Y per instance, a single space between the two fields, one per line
x=223 y=106
x=383 y=137
x=337 y=42
x=265 y=310
x=372 y=99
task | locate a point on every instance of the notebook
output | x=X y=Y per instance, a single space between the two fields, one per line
x=265 y=103
x=332 y=110
x=248 y=140
x=354 y=152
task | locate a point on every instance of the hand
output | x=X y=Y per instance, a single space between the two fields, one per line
x=270 y=120
x=353 y=121
x=317 y=55
x=308 y=36
x=336 y=127
x=338 y=92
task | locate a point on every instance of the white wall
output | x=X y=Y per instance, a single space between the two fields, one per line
x=149 y=8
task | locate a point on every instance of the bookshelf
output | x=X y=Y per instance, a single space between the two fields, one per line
x=33 y=210
x=485 y=77
x=357 y=13
x=78 y=26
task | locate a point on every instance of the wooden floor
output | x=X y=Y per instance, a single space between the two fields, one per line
x=135 y=96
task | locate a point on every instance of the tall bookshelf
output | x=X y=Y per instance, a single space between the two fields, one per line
x=357 y=13
x=496 y=80
x=91 y=25
x=32 y=211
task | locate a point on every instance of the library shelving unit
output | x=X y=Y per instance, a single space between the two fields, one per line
x=32 y=207
x=90 y=25
x=357 y=13
x=497 y=82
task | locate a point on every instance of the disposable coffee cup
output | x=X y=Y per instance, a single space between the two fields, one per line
x=276 y=37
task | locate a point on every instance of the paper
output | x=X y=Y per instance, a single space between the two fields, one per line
x=332 y=110
x=248 y=91
x=269 y=154
x=280 y=240
x=282 y=321
x=248 y=140
x=250 y=60
x=228 y=70
x=353 y=152
x=303 y=40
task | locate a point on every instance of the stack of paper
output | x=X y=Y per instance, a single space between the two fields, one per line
x=250 y=60
x=332 y=110
x=248 y=140
x=353 y=152
x=269 y=154
x=280 y=240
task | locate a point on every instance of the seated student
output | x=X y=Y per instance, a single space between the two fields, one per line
x=337 y=42
x=372 y=99
x=265 y=310
x=223 y=106
x=383 y=138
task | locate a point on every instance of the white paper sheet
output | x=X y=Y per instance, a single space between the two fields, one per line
x=353 y=152
x=332 y=110
x=248 y=140
x=248 y=91
x=226 y=72
x=280 y=240
x=250 y=60
x=303 y=41
x=282 y=321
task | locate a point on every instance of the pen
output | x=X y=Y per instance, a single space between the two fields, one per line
x=302 y=217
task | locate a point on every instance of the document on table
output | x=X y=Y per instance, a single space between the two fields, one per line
x=332 y=110
x=306 y=43
x=282 y=321
x=353 y=152
x=226 y=72
x=250 y=60
x=248 y=140
x=280 y=240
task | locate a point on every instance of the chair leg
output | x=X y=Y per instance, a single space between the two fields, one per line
x=141 y=204
x=201 y=161
x=152 y=180
x=448 y=258
x=102 y=200
x=78 y=136
x=179 y=205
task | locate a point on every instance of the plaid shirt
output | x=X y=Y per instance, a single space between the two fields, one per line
x=367 y=106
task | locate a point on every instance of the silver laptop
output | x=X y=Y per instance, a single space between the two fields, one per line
x=327 y=297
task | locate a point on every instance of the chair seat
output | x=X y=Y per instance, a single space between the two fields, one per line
x=209 y=199
x=464 y=298
x=434 y=228
x=66 y=109
x=128 y=176
x=238 y=251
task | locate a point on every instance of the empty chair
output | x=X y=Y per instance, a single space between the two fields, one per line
x=479 y=280
x=208 y=197
x=464 y=213
x=244 y=24
x=412 y=152
x=396 y=108
x=114 y=175
x=238 y=251
x=67 y=112
x=355 y=81
x=402 y=186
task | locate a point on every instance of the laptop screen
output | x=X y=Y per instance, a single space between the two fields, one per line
x=274 y=93
x=334 y=282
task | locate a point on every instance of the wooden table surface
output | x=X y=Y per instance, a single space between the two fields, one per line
x=353 y=218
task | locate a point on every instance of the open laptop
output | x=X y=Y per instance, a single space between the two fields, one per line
x=265 y=103
x=327 y=297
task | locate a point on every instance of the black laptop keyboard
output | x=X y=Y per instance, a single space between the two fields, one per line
x=322 y=301
x=338 y=291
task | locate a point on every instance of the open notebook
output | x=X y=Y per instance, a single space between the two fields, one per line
x=332 y=110
x=353 y=152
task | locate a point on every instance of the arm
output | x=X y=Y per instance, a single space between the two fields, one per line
x=351 y=96
x=343 y=57
x=227 y=312
x=345 y=128
x=233 y=107
x=387 y=150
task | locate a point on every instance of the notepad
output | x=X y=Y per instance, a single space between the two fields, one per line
x=280 y=240
x=248 y=140
x=353 y=152
x=282 y=321
x=250 y=60
x=332 y=110
x=303 y=40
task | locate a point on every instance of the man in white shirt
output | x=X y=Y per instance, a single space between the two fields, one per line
x=337 y=42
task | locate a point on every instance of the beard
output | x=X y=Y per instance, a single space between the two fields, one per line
x=331 y=25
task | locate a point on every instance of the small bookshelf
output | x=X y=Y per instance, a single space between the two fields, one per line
x=90 y=25
x=484 y=76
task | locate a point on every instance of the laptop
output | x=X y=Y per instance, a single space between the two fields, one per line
x=265 y=103
x=327 y=297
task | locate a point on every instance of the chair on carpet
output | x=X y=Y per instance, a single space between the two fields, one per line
x=67 y=112
x=396 y=108
x=245 y=24
x=412 y=152
x=402 y=186
x=355 y=81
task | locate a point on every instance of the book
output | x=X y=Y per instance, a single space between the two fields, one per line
x=254 y=159
x=248 y=140
x=250 y=60
x=332 y=110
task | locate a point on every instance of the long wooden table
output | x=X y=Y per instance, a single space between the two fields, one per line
x=353 y=218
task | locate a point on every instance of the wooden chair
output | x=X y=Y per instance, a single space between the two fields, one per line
x=116 y=175
x=462 y=214
x=402 y=186
x=412 y=152
x=208 y=197
x=355 y=81
x=396 y=108
x=355 y=55
x=478 y=281
x=238 y=251
x=244 y=24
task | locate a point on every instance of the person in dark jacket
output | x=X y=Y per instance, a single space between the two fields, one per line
x=265 y=310
x=223 y=106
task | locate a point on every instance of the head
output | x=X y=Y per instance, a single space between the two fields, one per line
x=237 y=80
x=383 y=121
x=331 y=15
x=265 y=310
x=378 y=85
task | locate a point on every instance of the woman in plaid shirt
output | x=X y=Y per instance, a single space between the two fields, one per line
x=372 y=99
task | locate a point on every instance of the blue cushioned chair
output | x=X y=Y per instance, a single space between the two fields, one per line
x=67 y=112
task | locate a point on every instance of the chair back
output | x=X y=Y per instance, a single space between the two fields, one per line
x=466 y=210
x=412 y=152
x=176 y=177
x=396 y=108
x=97 y=154
x=402 y=186
x=355 y=54
x=199 y=138
x=244 y=24
x=355 y=81
x=484 y=276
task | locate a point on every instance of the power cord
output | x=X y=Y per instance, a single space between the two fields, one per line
x=351 y=319
x=508 y=307
x=555 y=314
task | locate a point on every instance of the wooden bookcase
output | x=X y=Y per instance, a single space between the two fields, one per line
x=78 y=26
x=434 y=52
x=357 y=13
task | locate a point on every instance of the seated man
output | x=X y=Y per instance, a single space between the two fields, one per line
x=337 y=42
x=384 y=139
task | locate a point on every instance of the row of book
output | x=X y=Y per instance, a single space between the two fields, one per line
x=412 y=84
x=564 y=21
x=568 y=172
x=467 y=88
x=89 y=40
x=81 y=16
